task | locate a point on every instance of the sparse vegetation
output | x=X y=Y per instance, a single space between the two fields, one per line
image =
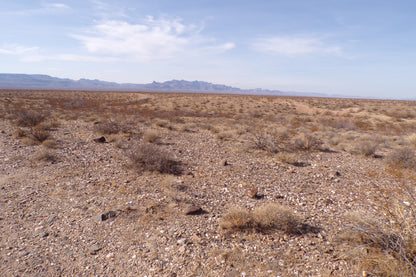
x=307 y=142
x=39 y=135
x=28 y=118
x=154 y=158
x=264 y=142
x=108 y=127
x=264 y=156
x=152 y=136
x=264 y=218
x=402 y=157
x=385 y=244
x=367 y=148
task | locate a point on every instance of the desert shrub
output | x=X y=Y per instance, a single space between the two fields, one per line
x=151 y=135
x=49 y=143
x=264 y=142
x=412 y=139
x=402 y=157
x=20 y=133
x=47 y=156
x=367 y=148
x=274 y=216
x=174 y=189
x=26 y=118
x=307 y=142
x=288 y=158
x=237 y=219
x=267 y=217
x=108 y=127
x=154 y=158
x=226 y=135
x=39 y=134
x=384 y=246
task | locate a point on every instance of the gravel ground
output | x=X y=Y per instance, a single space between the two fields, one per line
x=90 y=213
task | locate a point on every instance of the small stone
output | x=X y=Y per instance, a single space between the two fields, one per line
x=110 y=255
x=95 y=248
x=253 y=192
x=193 y=210
x=106 y=215
x=100 y=140
x=181 y=241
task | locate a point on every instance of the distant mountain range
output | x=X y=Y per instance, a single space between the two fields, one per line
x=46 y=82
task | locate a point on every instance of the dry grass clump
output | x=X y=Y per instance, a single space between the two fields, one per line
x=307 y=142
x=108 y=127
x=226 y=135
x=20 y=133
x=403 y=157
x=267 y=217
x=154 y=158
x=264 y=142
x=385 y=243
x=49 y=143
x=367 y=148
x=288 y=158
x=384 y=247
x=47 y=156
x=412 y=139
x=39 y=135
x=152 y=136
x=26 y=118
x=174 y=188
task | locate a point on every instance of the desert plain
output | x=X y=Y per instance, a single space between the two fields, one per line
x=181 y=184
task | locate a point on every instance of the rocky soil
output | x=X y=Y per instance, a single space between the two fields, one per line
x=87 y=211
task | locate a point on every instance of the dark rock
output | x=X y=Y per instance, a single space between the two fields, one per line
x=193 y=210
x=106 y=215
x=100 y=140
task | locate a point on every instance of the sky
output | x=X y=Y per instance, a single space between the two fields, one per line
x=361 y=48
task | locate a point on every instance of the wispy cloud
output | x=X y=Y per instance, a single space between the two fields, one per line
x=18 y=50
x=107 y=10
x=45 y=8
x=294 y=46
x=152 y=39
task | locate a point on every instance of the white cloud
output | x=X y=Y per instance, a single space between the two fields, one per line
x=66 y=58
x=56 y=6
x=293 y=46
x=46 y=8
x=153 y=39
x=15 y=49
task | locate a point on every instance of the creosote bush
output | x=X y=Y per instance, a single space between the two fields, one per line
x=384 y=244
x=154 y=158
x=264 y=142
x=39 y=135
x=307 y=142
x=151 y=135
x=266 y=217
x=403 y=157
x=108 y=127
x=26 y=118
x=366 y=148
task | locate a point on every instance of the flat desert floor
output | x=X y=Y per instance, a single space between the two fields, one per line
x=157 y=184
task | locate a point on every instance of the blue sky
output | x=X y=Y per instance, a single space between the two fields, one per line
x=352 y=47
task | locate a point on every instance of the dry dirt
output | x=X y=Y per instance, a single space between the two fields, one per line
x=72 y=206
